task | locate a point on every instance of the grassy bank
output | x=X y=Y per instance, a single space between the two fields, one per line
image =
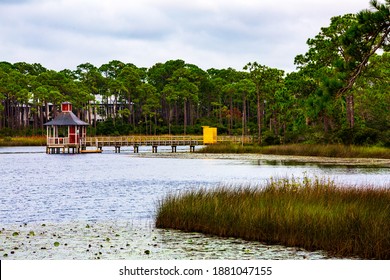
x=23 y=141
x=312 y=214
x=303 y=150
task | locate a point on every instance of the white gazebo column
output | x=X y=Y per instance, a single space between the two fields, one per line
x=68 y=134
x=55 y=133
x=47 y=140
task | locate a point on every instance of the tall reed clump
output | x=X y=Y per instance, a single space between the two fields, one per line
x=313 y=214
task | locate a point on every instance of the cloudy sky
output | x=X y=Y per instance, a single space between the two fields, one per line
x=62 y=34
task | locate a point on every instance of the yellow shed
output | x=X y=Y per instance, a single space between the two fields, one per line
x=209 y=135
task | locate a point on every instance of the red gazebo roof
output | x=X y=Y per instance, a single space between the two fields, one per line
x=66 y=119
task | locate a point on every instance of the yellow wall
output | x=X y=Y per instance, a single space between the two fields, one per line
x=209 y=135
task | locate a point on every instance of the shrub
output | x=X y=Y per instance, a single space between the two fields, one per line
x=269 y=138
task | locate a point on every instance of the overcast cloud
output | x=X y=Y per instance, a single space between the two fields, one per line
x=62 y=34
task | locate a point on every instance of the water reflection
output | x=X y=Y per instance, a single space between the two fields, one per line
x=331 y=166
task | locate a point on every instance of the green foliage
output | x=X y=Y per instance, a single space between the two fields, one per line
x=359 y=136
x=269 y=138
x=342 y=83
x=111 y=127
x=338 y=57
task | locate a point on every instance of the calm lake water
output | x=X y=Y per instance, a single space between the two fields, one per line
x=60 y=188
x=126 y=187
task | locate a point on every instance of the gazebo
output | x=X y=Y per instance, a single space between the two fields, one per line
x=66 y=131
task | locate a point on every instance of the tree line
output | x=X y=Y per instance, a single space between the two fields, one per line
x=339 y=92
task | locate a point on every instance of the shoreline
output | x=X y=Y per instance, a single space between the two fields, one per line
x=250 y=157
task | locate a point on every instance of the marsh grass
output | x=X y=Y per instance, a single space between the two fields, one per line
x=331 y=150
x=23 y=141
x=314 y=214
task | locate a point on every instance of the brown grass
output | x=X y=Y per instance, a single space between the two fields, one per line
x=23 y=141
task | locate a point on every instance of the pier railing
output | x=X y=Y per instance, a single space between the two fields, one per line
x=55 y=144
x=57 y=141
x=161 y=140
x=235 y=139
x=145 y=141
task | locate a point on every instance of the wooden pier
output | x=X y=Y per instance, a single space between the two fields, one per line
x=58 y=145
x=66 y=132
